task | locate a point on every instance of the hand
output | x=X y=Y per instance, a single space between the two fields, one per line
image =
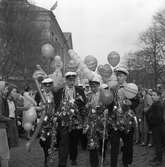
x=28 y=146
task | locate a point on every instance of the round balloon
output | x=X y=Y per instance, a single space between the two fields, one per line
x=72 y=66
x=30 y=115
x=105 y=70
x=47 y=50
x=130 y=90
x=57 y=62
x=112 y=82
x=88 y=73
x=71 y=53
x=91 y=62
x=99 y=68
x=27 y=126
x=113 y=58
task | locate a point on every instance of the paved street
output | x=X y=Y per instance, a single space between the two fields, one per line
x=21 y=158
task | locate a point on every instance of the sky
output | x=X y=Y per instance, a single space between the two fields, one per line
x=101 y=26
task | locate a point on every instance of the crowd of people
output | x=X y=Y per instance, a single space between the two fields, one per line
x=81 y=114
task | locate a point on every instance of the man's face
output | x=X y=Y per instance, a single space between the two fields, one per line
x=48 y=87
x=70 y=82
x=121 y=78
x=94 y=87
x=87 y=88
x=155 y=96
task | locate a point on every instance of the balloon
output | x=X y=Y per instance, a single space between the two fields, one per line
x=74 y=56
x=30 y=115
x=27 y=126
x=57 y=62
x=96 y=77
x=47 y=50
x=130 y=90
x=105 y=71
x=99 y=68
x=112 y=82
x=113 y=58
x=106 y=96
x=88 y=74
x=58 y=80
x=72 y=66
x=91 y=62
x=71 y=53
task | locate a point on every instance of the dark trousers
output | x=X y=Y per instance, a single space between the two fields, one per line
x=158 y=134
x=94 y=158
x=127 y=148
x=73 y=144
x=68 y=145
x=45 y=146
x=83 y=139
x=63 y=146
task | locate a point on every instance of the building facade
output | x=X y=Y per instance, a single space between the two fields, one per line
x=51 y=31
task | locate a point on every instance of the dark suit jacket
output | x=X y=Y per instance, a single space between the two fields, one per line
x=155 y=115
x=4 y=112
x=79 y=92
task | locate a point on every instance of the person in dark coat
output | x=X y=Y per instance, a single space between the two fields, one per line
x=68 y=138
x=157 y=125
x=13 y=136
x=4 y=122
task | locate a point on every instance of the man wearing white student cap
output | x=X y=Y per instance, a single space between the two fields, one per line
x=45 y=137
x=47 y=86
x=68 y=143
x=122 y=74
x=127 y=135
x=47 y=81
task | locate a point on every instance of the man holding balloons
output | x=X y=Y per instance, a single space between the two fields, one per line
x=126 y=121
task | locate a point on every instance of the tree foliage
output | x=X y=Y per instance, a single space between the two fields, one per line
x=152 y=42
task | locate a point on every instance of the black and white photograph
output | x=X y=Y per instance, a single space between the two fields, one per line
x=82 y=83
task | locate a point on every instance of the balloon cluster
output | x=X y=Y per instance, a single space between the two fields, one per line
x=87 y=68
x=29 y=118
x=81 y=66
x=106 y=71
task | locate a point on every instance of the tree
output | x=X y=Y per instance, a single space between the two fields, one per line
x=153 y=51
x=21 y=42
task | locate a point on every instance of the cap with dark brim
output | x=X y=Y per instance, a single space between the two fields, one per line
x=93 y=82
x=121 y=72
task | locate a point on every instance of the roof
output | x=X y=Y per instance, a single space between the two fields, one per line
x=67 y=35
x=25 y=3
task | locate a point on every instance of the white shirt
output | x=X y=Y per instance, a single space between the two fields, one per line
x=69 y=93
x=11 y=109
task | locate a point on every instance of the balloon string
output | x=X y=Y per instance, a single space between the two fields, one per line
x=103 y=143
